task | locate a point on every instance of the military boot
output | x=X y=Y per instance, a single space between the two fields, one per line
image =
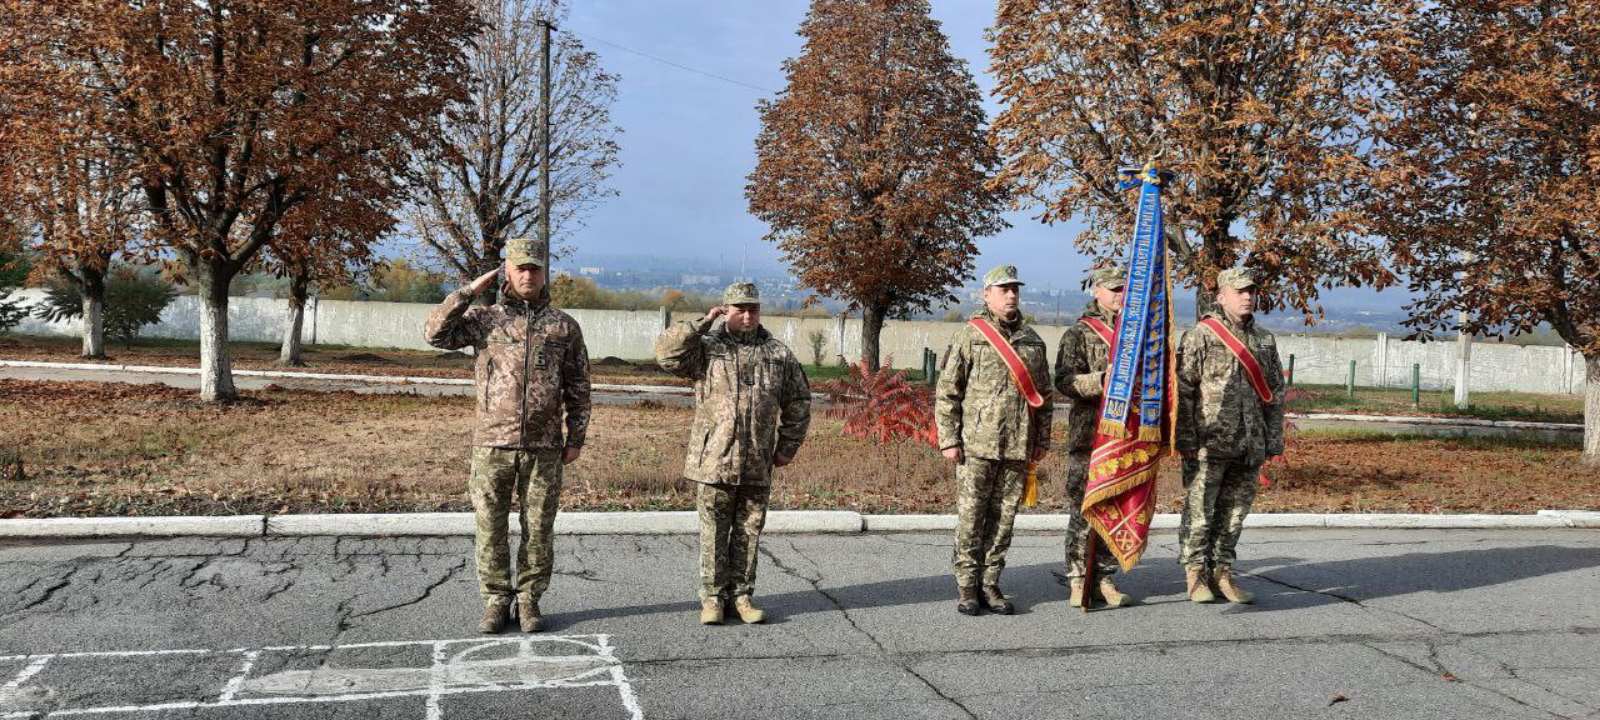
x=748 y=612
x=494 y=615
x=1231 y=589
x=1114 y=597
x=996 y=601
x=711 y=611
x=528 y=617
x=1075 y=597
x=967 y=601
x=1199 y=585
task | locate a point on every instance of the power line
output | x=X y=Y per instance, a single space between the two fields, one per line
x=665 y=61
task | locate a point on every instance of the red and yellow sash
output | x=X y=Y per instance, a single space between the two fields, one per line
x=1008 y=355
x=1247 y=360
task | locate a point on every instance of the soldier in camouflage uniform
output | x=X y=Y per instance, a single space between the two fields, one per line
x=532 y=367
x=1225 y=432
x=987 y=428
x=752 y=408
x=1081 y=360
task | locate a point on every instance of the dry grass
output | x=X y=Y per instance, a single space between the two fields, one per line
x=111 y=449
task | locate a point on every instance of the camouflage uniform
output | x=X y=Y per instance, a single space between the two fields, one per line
x=532 y=368
x=1227 y=429
x=1081 y=360
x=979 y=409
x=752 y=403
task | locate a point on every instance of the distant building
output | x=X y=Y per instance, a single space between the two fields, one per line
x=591 y=271
x=701 y=279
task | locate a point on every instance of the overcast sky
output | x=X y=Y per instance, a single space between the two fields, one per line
x=688 y=139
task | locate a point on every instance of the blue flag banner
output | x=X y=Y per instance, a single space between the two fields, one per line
x=1139 y=359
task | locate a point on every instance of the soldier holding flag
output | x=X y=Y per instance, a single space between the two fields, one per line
x=993 y=410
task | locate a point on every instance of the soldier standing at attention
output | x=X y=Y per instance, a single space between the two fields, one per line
x=532 y=367
x=993 y=410
x=1081 y=378
x=1230 y=421
x=752 y=408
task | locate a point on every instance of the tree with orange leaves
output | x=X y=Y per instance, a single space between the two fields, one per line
x=236 y=112
x=872 y=165
x=1486 y=177
x=1252 y=103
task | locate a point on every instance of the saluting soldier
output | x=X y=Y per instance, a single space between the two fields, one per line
x=752 y=409
x=993 y=409
x=532 y=381
x=1230 y=421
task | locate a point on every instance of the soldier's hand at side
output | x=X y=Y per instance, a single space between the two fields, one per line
x=571 y=455
x=1039 y=453
x=782 y=460
x=954 y=455
x=482 y=283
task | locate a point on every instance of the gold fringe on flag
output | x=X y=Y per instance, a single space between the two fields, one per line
x=1112 y=428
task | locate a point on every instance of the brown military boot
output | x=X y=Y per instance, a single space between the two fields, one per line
x=996 y=601
x=1075 y=597
x=1199 y=586
x=1231 y=589
x=748 y=612
x=967 y=600
x=494 y=615
x=1114 y=597
x=528 y=617
x=711 y=611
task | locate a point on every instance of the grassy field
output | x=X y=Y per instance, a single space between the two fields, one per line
x=1393 y=401
x=85 y=449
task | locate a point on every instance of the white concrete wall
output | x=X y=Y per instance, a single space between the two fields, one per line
x=631 y=335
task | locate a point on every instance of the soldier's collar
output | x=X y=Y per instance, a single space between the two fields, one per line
x=516 y=305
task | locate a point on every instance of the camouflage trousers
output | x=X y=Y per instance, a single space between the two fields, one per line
x=535 y=478
x=987 y=495
x=1078 y=526
x=731 y=518
x=1217 y=497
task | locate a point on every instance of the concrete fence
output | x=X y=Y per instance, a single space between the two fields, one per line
x=1380 y=362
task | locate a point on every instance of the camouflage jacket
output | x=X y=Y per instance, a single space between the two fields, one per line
x=1081 y=360
x=752 y=400
x=1219 y=414
x=532 y=364
x=977 y=405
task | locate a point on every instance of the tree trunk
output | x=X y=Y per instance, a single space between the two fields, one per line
x=216 y=368
x=92 y=291
x=871 y=327
x=1591 y=410
x=299 y=289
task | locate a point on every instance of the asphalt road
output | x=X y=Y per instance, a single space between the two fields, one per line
x=1349 y=624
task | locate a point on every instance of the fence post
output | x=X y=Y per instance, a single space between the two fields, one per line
x=1463 y=363
x=1350 y=382
x=1291 y=369
x=1416 y=385
x=666 y=317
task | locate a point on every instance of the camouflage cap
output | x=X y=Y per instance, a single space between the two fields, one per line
x=1002 y=275
x=1236 y=278
x=1114 y=277
x=741 y=293
x=524 y=251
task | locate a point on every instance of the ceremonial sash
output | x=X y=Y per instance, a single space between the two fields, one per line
x=1008 y=355
x=1252 y=369
x=1100 y=328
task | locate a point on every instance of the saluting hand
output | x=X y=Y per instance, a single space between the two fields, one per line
x=716 y=311
x=483 y=282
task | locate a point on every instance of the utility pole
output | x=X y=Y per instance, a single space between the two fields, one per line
x=544 y=142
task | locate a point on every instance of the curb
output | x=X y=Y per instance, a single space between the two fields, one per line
x=1427 y=420
x=116 y=527
x=687 y=523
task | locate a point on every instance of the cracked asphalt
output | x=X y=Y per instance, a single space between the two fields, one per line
x=1370 y=624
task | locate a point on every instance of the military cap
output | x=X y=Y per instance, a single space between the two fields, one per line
x=524 y=251
x=1236 y=278
x=1113 y=277
x=741 y=293
x=1002 y=275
